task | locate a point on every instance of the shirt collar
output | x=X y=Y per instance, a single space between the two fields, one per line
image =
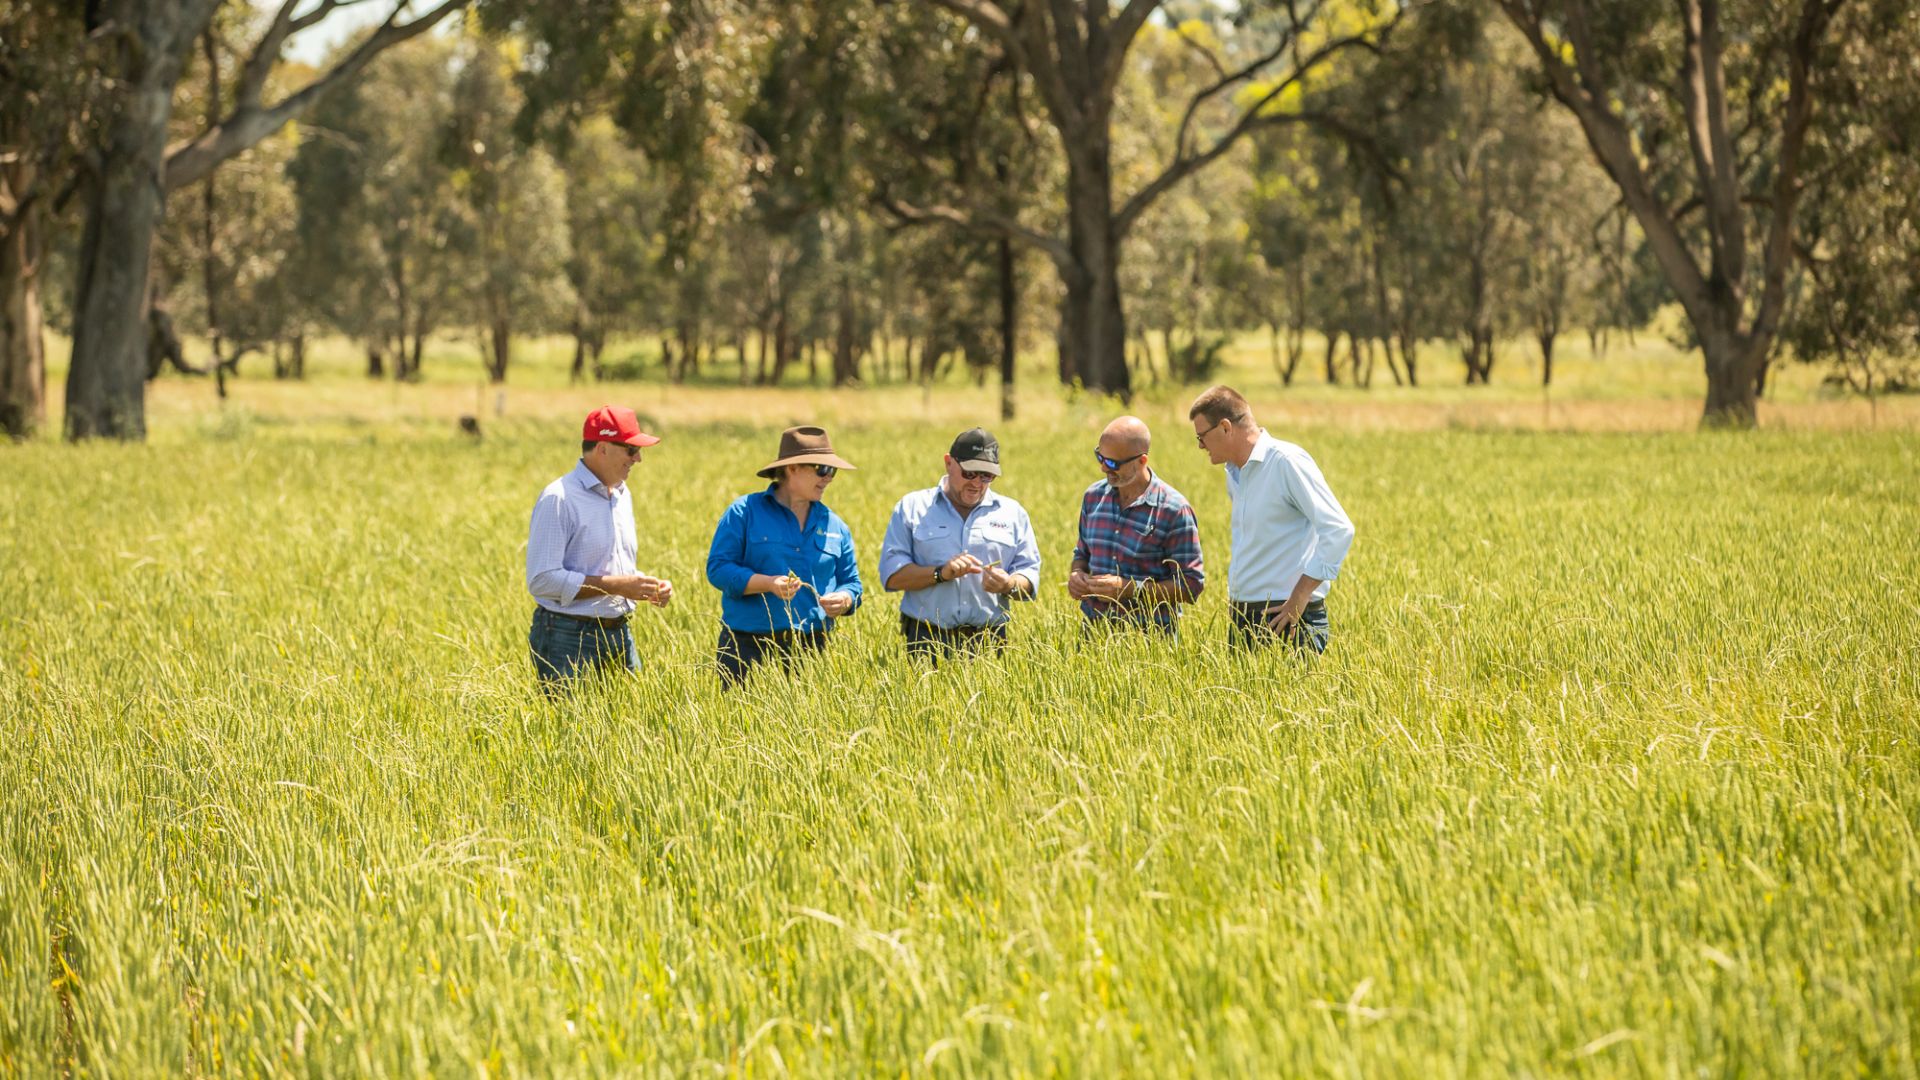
x=814 y=519
x=1264 y=447
x=1154 y=494
x=582 y=477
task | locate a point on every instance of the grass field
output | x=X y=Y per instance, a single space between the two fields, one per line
x=1610 y=769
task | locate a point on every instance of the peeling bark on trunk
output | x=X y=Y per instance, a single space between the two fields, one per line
x=106 y=384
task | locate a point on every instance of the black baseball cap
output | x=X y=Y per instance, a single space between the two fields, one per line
x=976 y=450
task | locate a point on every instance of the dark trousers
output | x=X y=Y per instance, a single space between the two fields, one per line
x=926 y=641
x=739 y=651
x=1250 y=629
x=563 y=645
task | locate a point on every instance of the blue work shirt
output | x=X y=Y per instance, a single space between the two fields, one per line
x=927 y=530
x=759 y=535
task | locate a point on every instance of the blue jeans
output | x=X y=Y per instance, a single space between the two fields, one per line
x=563 y=645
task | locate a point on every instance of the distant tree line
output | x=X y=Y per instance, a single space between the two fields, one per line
x=880 y=191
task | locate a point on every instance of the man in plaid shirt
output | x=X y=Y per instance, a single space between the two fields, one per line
x=1138 y=556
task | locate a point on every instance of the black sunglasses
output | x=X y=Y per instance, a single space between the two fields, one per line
x=983 y=477
x=1114 y=464
x=825 y=472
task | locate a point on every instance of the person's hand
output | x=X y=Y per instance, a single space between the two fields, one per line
x=836 y=604
x=638 y=588
x=998 y=581
x=1111 y=586
x=786 y=586
x=1281 y=620
x=960 y=566
x=1079 y=585
x=662 y=593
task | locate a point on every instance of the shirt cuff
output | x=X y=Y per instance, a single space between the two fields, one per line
x=1323 y=571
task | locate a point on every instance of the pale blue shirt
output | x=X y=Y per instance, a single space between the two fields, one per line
x=926 y=529
x=1286 y=523
x=580 y=528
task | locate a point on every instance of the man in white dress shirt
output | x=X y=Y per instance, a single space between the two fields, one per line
x=581 y=552
x=1289 y=533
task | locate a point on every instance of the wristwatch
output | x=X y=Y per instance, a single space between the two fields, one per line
x=938 y=571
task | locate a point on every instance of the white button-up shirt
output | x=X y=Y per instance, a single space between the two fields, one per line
x=1286 y=523
x=580 y=528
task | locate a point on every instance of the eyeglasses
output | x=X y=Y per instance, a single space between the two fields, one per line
x=632 y=451
x=825 y=472
x=1113 y=464
x=978 y=477
x=1200 y=440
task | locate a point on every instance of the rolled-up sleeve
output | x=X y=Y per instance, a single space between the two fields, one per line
x=1185 y=550
x=726 y=559
x=1026 y=556
x=547 y=576
x=1332 y=530
x=896 y=547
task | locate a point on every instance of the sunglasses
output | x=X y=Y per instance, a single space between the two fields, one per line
x=632 y=451
x=981 y=477
x=1114 y=464
x=825 y=472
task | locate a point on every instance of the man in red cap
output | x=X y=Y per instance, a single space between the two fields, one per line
x=581 y=551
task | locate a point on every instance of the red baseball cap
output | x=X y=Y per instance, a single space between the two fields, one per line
x=611 y=423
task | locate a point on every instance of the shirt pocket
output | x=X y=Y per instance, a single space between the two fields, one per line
x=770 y=554
x=1143 y=549
x=935 y=542
x=825 y=549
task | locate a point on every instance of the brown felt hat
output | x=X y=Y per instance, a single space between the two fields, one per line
x=804 y=446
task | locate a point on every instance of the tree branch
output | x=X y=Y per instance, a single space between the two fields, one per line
x=1250 y=119
x=250 y=122
x=974 y=219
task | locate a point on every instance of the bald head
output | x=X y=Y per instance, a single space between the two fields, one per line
x=1127 y=435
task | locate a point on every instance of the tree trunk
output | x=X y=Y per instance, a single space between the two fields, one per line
x=577 y=373
x=1094 y=327
x=1333 y=356
x=23 y=356
x=1009 y=323
x=106 y=388
x=1733 y=367
x=376 y=362
x=846 y=364
x=1547 y=337
x=501 y=335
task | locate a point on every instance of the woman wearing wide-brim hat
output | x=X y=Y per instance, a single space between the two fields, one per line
x=782 y=560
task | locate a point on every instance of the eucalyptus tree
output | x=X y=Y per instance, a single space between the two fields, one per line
x=1263 y=60
x=1700 y=112
x=146 y=45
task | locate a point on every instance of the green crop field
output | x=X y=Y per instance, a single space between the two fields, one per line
x=1610 y=770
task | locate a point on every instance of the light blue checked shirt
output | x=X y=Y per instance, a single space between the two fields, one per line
x=1286 y=523
x=580 y=528
x=926 y=529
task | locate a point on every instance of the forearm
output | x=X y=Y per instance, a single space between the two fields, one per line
x=761 y=583
x=912 y=578
x=1303 y=592
x=623 y=585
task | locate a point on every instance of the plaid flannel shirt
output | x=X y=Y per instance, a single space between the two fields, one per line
x=1156 y=538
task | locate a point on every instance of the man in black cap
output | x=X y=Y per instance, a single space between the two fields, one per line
x=961 y=552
